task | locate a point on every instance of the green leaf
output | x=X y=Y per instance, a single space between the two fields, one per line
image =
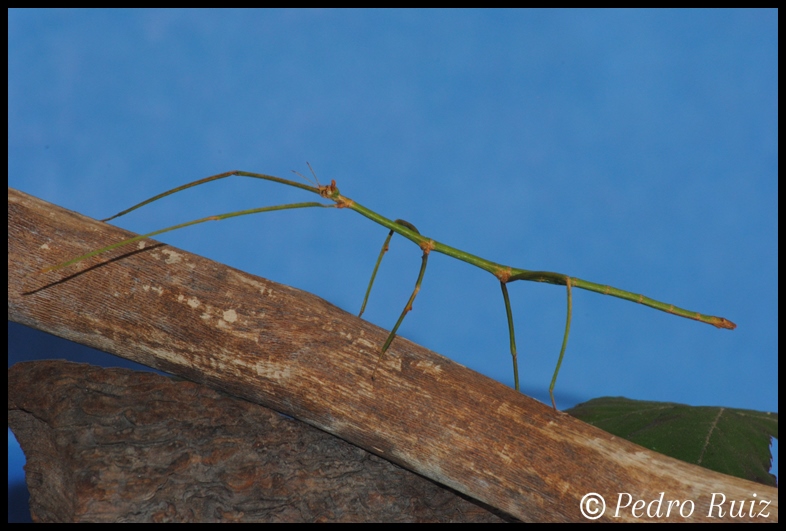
x=732 y=441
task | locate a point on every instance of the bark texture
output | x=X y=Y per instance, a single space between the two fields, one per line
x=115 y=445
x=302 y=356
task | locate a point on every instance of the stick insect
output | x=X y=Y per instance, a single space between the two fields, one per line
x=505 y=274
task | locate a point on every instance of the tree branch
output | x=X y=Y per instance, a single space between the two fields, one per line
x=116 y=445
x=302 y=356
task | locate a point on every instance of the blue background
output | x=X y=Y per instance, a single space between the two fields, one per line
x=631 y=148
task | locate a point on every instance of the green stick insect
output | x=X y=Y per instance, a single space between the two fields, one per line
x=505 y=274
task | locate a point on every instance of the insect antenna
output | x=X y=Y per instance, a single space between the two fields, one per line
x=309 y=181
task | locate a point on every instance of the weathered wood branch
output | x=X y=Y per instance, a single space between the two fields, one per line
x=116 y=445
x=300 y=355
